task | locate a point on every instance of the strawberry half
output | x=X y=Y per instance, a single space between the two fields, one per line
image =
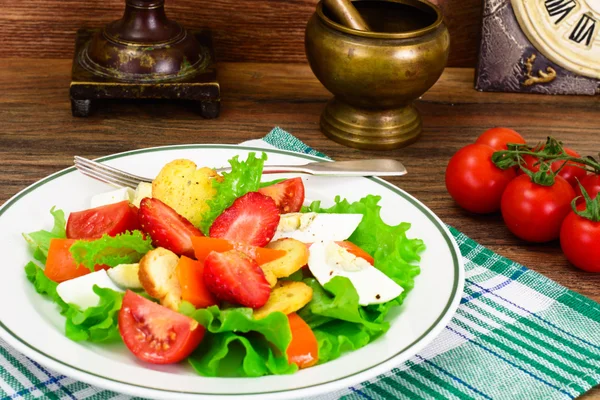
x=167 y=228
x=234 y=277
x=252 y=219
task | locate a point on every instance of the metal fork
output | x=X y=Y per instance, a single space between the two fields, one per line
x=372 y=167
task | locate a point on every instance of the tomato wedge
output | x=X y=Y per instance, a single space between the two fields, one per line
x=204 y=245
x=304 y=349
x=110 y=219
x=357 y=251
x=156 y=334
x=60 y=265
x=288 y=195
x=191 y=279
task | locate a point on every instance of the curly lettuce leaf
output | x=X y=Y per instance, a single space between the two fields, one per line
x=244 y=177
x=39 y=241
x=236 y=344
x=125 y=248
x=339 y=323
x=95 y=324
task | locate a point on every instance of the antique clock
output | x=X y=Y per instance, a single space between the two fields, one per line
x=540 y=46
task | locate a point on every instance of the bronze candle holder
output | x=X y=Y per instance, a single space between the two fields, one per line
x=144 y=55
x=375 y=75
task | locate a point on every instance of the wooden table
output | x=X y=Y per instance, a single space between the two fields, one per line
x=39 y=136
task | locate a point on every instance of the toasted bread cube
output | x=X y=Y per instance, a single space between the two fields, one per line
x=295 y=258
x=287 y=297
x=185 y=188
x=158 y=276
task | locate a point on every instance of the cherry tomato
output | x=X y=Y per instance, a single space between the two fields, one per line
x=591 y=184
x=288 y=195
x=110 y=219
x=304 y=348
x=60 y=265
x=155 y=333
x=497 y=138
x=473 y=180
x=534 y=212
x=571 y=172
x=579 y=238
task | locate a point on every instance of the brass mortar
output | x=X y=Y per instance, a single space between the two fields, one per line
x=376 y=75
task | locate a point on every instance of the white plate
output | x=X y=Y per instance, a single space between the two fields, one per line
x=33 y=325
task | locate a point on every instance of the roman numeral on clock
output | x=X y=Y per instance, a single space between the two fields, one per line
x=584 y=30
x=560 y=8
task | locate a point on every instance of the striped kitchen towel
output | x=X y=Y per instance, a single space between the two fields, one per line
x=516 y=335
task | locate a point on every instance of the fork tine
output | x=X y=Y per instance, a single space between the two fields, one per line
x=108 y=175
x=105 y=178
x=110 y=170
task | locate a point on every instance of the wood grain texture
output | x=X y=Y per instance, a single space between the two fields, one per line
x=252 y=30
x=38 y=136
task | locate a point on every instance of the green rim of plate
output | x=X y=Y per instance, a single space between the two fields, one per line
x=398 y=191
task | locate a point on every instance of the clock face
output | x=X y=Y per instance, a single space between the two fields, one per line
x=565 y=31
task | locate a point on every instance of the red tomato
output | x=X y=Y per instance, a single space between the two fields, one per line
x=190 y=274
x=534 y=212
x=155 y=333
x=497 y=138
x=571 y=172
x=60 y=265
x=591 y=184
x=111 y=219
x=579 y=238
x=288 y=195
x=473 y=180
x=303 y=349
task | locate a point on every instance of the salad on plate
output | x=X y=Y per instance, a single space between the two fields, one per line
x=237 y=276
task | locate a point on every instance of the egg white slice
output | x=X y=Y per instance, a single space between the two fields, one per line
x=126 y=276
x=327 y=260
x=79 y=291
x=143 y=190
x=314 y=227
x=114 y=196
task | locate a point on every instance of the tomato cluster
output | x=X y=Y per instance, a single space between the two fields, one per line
x=535 y=190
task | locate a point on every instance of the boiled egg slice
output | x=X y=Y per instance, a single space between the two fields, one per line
x=126 y=276
x=327 y=260
x=79 y=291
x=143 y=190
x=313 y=227
x=112 y=197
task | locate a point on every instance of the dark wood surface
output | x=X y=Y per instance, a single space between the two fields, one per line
x=250 y=30
x=38 y=135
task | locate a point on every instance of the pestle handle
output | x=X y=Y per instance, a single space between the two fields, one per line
x=347 y=14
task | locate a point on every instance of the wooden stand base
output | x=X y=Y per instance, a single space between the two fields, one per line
x=201 y=87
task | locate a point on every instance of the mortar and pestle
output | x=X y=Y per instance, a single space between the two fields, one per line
x=376 y=57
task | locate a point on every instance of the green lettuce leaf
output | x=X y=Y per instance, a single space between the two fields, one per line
x=39 y=241
x=125 y=248
x=244 y=177
x=339 y=323
x=95 y=324
x=236 y=344
x=43 y=285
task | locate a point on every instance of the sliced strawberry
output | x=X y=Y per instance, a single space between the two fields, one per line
x=234 y=277
x=288 y=195
x=252 y=219
x=167 y=228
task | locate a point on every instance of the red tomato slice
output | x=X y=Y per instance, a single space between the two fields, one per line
x=204 y=245
x=191 y=279
x=357 y=251
x=110 y=219
x=303 y=349
x=60 y=265
x=155 y=333
x=288 y=195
